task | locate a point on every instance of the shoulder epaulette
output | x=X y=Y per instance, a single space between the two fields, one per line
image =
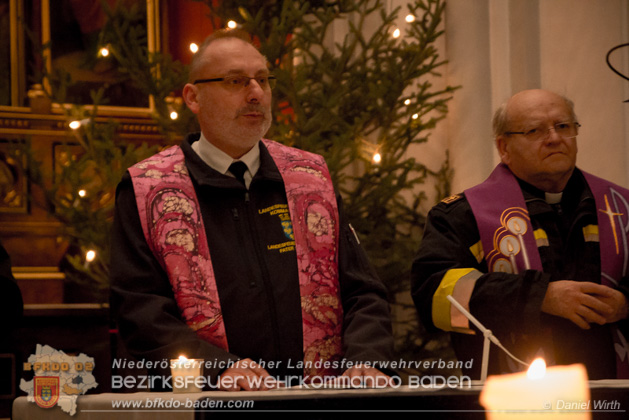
x=451 y=199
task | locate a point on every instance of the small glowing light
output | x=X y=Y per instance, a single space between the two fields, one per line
x=231 y=24
x=90 y=255
x=194 y=47
x=76 y=124
x=104 y=52
x=377 y=158
x=182 y=358
x=415 y=116
x=410 y=18
x=174 y=115
x=396 y=33
x=82 y=193
x=407 y=102
x=537 y=370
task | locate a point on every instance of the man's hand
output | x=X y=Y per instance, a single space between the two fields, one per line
x=366 y=376
x=618 y=302
x=584 y=302
x=246 y=375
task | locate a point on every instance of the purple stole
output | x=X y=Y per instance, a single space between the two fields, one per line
x=506 y=232
x=174 y=230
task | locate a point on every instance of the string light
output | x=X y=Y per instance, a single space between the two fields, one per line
x=396 y=33
x=82 y=193
x=90 y=255
x=232 y=24
x=377 y=158
x=410 y=18
x=104 y=52
x=194 y=47
x=174 y=105
x=76 y=124
x=415 y=116
x=407 y=102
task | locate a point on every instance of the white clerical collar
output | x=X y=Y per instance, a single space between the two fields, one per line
x=553 y=198
x=220 y=161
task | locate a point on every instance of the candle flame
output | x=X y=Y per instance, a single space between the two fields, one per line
x=537 y=370
x=183 y=358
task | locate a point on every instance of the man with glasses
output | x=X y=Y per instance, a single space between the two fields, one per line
x=537 y=253
x=233 y=249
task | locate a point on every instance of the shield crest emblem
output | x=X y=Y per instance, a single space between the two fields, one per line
x=46 y=391
x=287 y=225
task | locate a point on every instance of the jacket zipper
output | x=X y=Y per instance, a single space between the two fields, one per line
x=251 y=227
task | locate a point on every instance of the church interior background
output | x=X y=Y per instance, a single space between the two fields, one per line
x=492 y=48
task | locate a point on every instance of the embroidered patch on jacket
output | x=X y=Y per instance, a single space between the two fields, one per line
x=541 y=239
x=451 y=199
x=590 y=233
x=477 y=251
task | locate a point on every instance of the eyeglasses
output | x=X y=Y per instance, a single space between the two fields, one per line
x=566 y=130
x=236 y=83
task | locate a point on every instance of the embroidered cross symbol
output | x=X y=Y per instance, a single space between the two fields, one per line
x=610 y=214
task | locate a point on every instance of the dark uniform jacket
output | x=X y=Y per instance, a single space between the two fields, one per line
x=256 y=279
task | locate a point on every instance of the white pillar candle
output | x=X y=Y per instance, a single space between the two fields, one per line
x=557 y=392
x=186 y=374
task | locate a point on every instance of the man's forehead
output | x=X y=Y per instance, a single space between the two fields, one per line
x=537 y=106
x=234 y=55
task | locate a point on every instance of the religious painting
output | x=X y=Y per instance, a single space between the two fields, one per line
x=5 y=53
x=64 y=155
x=69 y=45
x=82 y=57
x=13 y=183
x=12 y=53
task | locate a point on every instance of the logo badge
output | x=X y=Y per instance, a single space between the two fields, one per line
x=46 y=391
x=288 y=229
x=58 y=378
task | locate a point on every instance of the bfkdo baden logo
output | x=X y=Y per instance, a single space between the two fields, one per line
x=58 y=378
x=46 y=391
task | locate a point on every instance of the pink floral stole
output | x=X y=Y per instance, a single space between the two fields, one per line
x=174 y=230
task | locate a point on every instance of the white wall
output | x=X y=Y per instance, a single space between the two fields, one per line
x=498 y=47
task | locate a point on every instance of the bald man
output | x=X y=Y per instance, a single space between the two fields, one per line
x=215 y=254
x=537 y=252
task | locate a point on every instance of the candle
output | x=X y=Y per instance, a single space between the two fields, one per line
x=186 y=374
x=541 y=393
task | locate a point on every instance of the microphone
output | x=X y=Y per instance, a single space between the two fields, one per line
x=489 y=337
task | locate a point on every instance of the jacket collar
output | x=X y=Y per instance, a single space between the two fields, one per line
x=204 y=174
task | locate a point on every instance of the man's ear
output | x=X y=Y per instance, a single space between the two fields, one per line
x=190 y=97
x=501 y=145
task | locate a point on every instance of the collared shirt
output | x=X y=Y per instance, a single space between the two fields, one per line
x=218 y=160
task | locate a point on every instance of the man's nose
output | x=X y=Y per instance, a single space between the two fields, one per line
x=552 y=135
x=254 y=91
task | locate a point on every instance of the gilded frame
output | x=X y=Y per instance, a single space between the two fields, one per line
x=19 y=83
